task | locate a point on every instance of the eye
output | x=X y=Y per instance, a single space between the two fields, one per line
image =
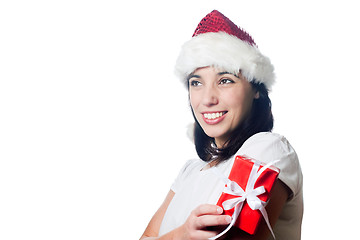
x=226 y=81
x=195 y=83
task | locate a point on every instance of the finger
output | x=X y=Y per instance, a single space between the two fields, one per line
x=212 y=220
x=207 y=209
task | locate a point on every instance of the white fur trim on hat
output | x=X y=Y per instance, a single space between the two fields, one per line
x=227 y=52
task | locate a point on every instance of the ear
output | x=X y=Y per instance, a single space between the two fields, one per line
x=257 y=95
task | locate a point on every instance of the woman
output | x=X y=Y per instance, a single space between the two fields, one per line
x=228 y=81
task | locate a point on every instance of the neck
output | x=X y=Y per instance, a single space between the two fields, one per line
x=220 y=143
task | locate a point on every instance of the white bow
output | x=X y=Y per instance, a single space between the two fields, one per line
x=250 y=195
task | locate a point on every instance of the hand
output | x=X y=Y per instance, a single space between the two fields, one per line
x=202 y=217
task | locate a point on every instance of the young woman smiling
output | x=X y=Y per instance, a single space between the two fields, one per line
x=228 y=80
x=220 y=101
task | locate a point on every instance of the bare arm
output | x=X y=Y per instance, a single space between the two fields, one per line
x=154 y=225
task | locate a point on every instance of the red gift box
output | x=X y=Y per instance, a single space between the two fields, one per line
x=248 y=219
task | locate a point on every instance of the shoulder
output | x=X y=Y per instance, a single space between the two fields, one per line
x=267 y=147
x=191 y=165
x=265 y=138
x=186 y=171
x=273 y=145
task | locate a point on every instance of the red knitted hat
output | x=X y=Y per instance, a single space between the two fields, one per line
x=218 y=42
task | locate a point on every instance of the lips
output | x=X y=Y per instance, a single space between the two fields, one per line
x=213 y=117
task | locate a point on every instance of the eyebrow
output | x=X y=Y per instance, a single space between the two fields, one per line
x=193 y=76
x=219 y=74
x=223 y=73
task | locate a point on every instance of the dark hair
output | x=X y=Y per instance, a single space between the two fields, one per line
x=260 y=119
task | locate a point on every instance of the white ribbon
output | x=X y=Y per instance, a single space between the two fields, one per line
x=250 y=195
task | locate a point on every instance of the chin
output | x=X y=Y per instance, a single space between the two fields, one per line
x=214 y=134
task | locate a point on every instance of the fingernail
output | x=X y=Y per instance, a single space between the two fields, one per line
x=219 y=210
x=228 y=219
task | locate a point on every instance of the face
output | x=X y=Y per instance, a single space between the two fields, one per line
x=220 y=101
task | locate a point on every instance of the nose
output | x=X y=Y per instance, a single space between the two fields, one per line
x=210 y=96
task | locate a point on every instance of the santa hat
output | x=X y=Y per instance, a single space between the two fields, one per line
x=218 y=42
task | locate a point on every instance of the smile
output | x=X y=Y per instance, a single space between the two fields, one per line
x=214 y=117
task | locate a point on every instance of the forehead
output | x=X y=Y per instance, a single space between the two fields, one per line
x=209 y=69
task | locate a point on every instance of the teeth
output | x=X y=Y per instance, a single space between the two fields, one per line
x=213 y=115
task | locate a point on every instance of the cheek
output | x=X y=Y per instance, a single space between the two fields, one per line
x=241 y=103
x=194 y=101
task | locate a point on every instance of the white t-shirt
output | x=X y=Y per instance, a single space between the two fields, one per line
x=195 y=185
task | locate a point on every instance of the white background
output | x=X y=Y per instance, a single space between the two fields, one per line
x=93 y=121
